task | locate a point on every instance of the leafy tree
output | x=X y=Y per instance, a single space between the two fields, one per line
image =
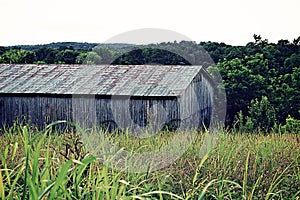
x=295 y=109
x=285 y=93
x=18 y=56
x=291 y=62
x=296 y=41
x=52 y=57
x=67 y=56
x=92 y=58
x=261 y=114
x=28 y=57
x=244 y=80
x=3 y=50
x=259 y=41
x=81 y=58
x=42 y=53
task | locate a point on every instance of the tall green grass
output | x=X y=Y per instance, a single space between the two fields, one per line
x=47 y=165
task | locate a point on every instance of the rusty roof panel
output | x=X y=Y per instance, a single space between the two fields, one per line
x=132 y=80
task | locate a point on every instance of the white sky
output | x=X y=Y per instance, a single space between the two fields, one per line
x=230 y=21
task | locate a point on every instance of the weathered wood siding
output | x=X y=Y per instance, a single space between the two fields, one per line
x=125 y=112
x=196 y=103
x=35 y=109
x=86 y=110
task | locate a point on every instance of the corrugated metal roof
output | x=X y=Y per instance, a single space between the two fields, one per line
x=133 y=80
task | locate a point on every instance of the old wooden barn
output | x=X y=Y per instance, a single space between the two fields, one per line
x=113 y=96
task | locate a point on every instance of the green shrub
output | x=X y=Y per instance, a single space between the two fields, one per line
x=261 y=114
x=292 y=125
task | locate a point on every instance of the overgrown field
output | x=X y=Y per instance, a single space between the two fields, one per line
x=240 y=166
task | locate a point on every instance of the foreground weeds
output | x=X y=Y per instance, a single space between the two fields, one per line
x=48 y=165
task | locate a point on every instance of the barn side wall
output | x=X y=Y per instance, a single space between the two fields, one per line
x=120 y=112
x=36 y=110
x=127 y=112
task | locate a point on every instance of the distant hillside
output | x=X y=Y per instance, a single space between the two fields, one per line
x=75 y=45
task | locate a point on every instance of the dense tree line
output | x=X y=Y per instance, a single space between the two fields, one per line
x=262 y=79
